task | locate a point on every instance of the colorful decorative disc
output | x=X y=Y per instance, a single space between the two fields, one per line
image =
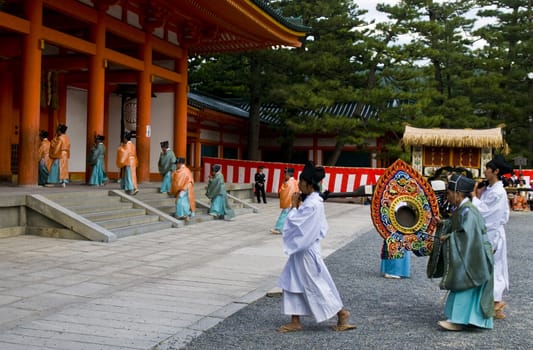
x=402 y=210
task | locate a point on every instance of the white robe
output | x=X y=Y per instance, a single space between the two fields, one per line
x=494 y=207
x=306 y=282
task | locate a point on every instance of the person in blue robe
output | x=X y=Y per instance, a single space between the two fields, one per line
x=462 y=256
x=395 y=268
x=96 y=160
x=217 y=194
x=166 y=166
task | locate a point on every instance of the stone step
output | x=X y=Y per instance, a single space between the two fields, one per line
x=140 y=229
x=113 y=214
x=76 y=198
x=128 y=221
x=106 y=205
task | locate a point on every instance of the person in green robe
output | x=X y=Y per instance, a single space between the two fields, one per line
x=166 y=165
x=216 y=192
x=462 y=256
x=96 y=160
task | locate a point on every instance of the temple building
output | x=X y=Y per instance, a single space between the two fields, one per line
x=111 y=66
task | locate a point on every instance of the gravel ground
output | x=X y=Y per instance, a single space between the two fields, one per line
x=390 y=314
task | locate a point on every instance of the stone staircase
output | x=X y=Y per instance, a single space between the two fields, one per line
x=114 y=211
x=105 y=215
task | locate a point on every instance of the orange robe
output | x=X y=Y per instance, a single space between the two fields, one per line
x=60 y=149
x=286 y=190
x=127 y=156
x=182 y=180
x=44 y=153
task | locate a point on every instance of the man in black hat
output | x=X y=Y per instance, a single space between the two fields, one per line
x=44 y=158
x=492 y=202
x=60 y=153
x=166 y=166
x=462 y=256
x=183 y=188
x=96 y=160
x=308 y=288
x=217 y=194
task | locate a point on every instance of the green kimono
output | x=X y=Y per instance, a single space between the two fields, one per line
x=464 y=260
x=216 y=192
x=166 y=165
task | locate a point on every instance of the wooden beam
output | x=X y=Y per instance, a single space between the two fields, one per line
x=167 y=49
x=65 y=62
x=124 y=30
x=14 y=23
x=124 y=60
x=73 y=9
x=136 y=35
x=166 y=74
x=68 y=41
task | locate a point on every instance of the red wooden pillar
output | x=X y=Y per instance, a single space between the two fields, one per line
x=96 y=93
x=180 y=108
x=31 y=92
x=144 y=105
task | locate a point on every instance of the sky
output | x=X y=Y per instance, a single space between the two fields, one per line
x=372 y=13
x=370 y=5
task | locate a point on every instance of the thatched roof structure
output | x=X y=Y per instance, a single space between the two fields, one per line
x=437 y=137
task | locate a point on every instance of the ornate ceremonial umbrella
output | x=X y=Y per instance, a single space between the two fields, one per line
x=403 y=210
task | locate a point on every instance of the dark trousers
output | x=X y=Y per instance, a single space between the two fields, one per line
x=260 y=193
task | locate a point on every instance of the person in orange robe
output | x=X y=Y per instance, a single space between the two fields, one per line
x=127 y=162
x=183 y=189
x=60 y=154
x=287 y=188
x=44 y=158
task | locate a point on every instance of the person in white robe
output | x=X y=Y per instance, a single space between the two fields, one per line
x=491 y=201
x=308 y=288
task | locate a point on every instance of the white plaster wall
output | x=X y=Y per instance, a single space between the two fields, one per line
x=161 y=129
x=162 y=121
x=77 y=128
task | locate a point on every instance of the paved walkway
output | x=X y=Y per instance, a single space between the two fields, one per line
x=389 y=314
x=140 y=291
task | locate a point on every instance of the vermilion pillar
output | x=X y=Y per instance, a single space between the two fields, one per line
x=144 y=95
x=180 y=108
x=96 y=94
x=31 y=90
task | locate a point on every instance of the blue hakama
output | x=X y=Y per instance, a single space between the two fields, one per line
x=98 y=175
x=126 y=182
x=165 y=183
x=53 y=174
x=464 y=307
x=183 y=207
x=397 y=267
x=281 y=219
